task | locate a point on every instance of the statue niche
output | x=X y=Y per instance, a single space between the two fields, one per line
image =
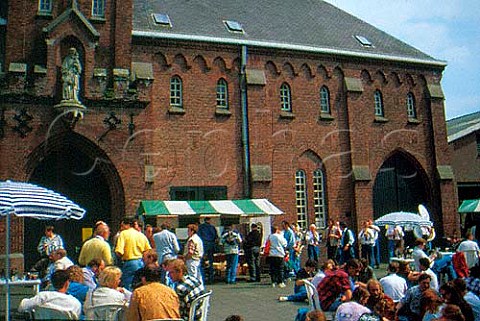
x=71 y=73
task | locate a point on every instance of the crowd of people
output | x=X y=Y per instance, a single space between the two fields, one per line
x=144 y=274
x=155 y=276
x=424 y=286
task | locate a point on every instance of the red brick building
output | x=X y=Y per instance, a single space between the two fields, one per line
x=303 y=104
x=464 y=142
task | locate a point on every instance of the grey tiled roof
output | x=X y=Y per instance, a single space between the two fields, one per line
x=463 y=126
x=304 y=25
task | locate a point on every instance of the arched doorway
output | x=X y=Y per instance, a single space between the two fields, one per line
x=401 y=185
x=74 y=166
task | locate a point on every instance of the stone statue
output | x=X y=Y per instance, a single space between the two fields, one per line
x=71 y=70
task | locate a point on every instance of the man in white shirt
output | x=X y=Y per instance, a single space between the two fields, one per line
x=425 y=268
x=418 y=252
x=393 y=285
x=57 y=299
x=471 y=250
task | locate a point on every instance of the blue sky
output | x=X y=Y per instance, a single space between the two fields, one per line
x=448 y=30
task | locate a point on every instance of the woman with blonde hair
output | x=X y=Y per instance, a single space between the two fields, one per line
x=108 y=291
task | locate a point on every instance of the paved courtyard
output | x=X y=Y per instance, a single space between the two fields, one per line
x=254 y=301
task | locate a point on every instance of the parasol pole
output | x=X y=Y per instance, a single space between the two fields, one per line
x=7 y=267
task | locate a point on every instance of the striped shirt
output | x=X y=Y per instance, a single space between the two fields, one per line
x=188 y=289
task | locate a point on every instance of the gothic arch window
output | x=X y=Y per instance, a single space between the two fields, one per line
x=324 y=100
x=379 y=109
x=285 y=98
x=98 y=8
x=301 y=198
x=411 y=108
x=176 y=92
x=319 y=198
x=222 y=93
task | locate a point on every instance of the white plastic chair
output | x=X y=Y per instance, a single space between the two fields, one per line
x=202 y=304
x=106 y=312
x=46 y=313
x=312 y=295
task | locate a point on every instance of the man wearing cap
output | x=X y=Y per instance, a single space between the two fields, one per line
x=252 y=245
x=209 y=236
x=130 y=247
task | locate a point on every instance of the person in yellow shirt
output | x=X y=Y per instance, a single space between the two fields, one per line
x=97 y=247
x=130 y=247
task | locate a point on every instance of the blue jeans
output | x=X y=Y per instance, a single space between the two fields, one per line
x=232 y=264
x=376 y=249
x=300 y=294
x=128 y=271
x=368 y=254
x=391 y=248
x=294 y=260
x=209 y=251
x=313 y=252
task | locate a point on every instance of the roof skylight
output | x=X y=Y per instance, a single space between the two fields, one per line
x=162 y=19
x=364 y=41
x=233 y=26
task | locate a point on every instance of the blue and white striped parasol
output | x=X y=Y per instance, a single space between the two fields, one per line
x=29 y=200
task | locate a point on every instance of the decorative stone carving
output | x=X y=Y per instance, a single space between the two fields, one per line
x=71 y=73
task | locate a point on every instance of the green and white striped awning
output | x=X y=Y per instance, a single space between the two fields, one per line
x=249 y=207
x=470 y=206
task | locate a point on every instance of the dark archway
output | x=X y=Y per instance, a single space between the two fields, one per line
x=74 y=166
x=401 y=185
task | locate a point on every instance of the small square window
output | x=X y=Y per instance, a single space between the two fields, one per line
x=162 y=19
x=98 y=8
x=45 y=6
x=364 y=41
x=233 y=26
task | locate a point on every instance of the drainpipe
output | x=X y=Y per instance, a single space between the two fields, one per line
x=245 y=138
